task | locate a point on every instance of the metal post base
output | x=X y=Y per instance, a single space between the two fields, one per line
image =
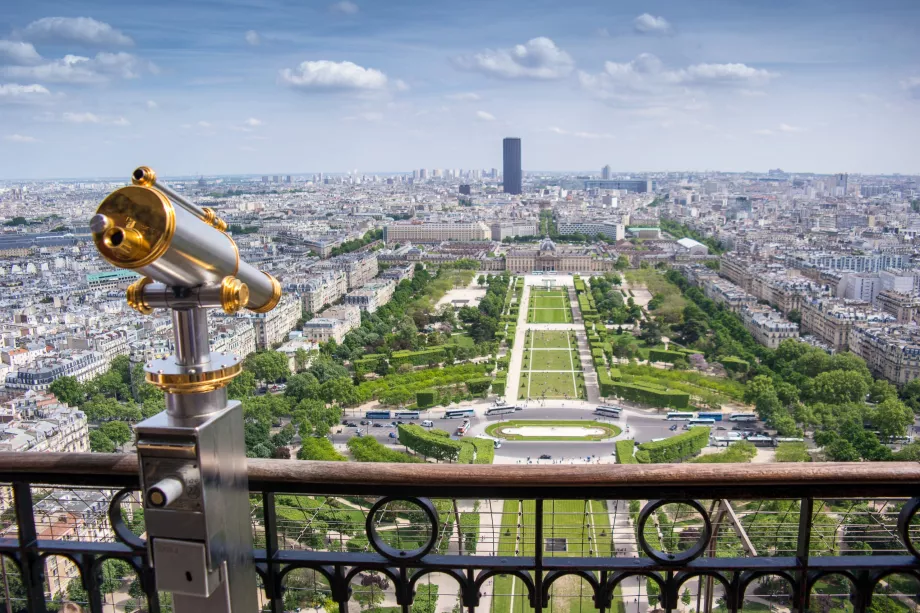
x=196 y=507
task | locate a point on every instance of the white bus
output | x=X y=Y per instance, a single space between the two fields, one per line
x=743 y=417
x=502 y=410
x=606 y=411
x=700 y=422
x=679 y=416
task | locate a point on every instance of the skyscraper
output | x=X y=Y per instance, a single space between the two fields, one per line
x=512 y=165
x=605 y=172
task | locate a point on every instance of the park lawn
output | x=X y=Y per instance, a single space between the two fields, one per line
x=549 y=302
x=522 y=388
x=555 y=384
x=549 y=339
x=551 y=359
x=462 y=340
x=549 y=316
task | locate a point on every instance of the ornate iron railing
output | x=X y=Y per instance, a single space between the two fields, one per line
x=506 y=538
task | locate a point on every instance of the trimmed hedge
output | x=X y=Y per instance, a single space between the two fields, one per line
x=735 y=364
x=677 y=448
x=615 y=374
x=625 y=451
x=660 y=355
x=659 y=397
x=479 y=386
x=419 y=440
x=642 y=457
x=367 y=364
x=425 y=398
x=432 y=355
x=498 y=386
x=605 y=383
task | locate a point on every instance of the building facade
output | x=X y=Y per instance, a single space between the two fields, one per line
x=372 y=296
x=436 y=232
x=513 y=176
x=272 y=327
x=550 y=258
x=334 y=324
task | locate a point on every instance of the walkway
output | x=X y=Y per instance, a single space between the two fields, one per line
x=625 y=546
x=584 y=351
x=517 y=351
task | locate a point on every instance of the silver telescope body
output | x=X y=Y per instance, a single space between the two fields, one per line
x=148 y=228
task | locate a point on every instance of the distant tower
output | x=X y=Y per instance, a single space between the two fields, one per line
x=605 y=172
x=512 y=165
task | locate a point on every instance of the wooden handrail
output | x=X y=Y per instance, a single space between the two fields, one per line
x=843 y=479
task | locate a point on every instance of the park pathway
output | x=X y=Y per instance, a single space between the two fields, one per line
x=584 y=350
x=517 y=351
x=625 y=546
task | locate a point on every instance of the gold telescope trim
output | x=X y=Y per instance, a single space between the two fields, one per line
x=144 y=176
x=197 y=383
x=134 y=226
x=273 y=301
x=135 y=296
x=211 y=218
x=234 y=294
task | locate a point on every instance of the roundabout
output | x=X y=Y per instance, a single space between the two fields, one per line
x=553 y=430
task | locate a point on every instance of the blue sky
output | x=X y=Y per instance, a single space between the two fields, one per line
x=95 y=88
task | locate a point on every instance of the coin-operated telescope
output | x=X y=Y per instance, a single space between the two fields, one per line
x=192 y=456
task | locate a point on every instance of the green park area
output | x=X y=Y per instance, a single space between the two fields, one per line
x=549 y=306
x=542 y=430
x=572 y=528
x=551 y=367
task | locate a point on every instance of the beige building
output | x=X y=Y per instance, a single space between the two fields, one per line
x=272 y=327
x=321 y=290
x=359 y=268
x=550 y=258
x=768 y=327
x=334 y=324
x=831 y=319
x=903 y=307
x=372 y=296
x=436 y=232
x=236 y=336
x=891 y=351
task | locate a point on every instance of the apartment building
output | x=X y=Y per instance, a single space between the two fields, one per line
x=831 y=319
x=236 y=336
x=372 y=296
x=509 y=229
x=903 y=307
x=737 y=270
x=727 y=293
x=334 y=324
x=767 y=326
x=109 y=280
x=614 y=231
x=436 y=232
x=38 y=376
x=398 y=273
x=359 y=268
x=320 y=290
x=892 y=351
x=272 y=327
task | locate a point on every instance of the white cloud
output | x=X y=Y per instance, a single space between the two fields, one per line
x=538 y=58
x=785 y=127
x=344 y=7
x=20 y=138
x=81 y=118
x=483 y=116
x=577 y=134
x=152 y=105
x=121 y=122
x=645 y=80
x=464 y=97
x=83 y=70
x=203 y=124
x=253 y=38
x=649 y=24
x=80 y=30
x=252 y=122
x=328 y=75
x=12 y=92
x=18 y=53
x=912 y=85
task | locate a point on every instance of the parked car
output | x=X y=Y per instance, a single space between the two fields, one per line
x=672 y=428
x=378 y=425
x=546 y=456
x=359 y=434
x=427 y=423
x=392 y=435
x=720 y=427
x=352 y=424
x=364 y=422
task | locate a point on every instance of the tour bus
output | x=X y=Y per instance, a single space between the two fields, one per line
x=677 y=416
x=502 y=409
x=377 y=415
x=742 y=417
x=761 y=441
x=781 y=439
x=458 y=413
x=700 y=422
x=406 y=414
x=463 y=428
x=607 y=411
x=714 y=416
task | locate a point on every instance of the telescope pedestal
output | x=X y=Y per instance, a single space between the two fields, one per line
x=192 y=460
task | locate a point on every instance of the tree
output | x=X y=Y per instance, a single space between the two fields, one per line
x=481 y=280
x=651 y=333
x=910 y=394
x=68 y=390
x=622 y=263
x=242 y=386
x=325 y=369
x=268 y=366
x=840 y=386
x=301 y=386
x=100 y=443
x=892 y=418
x=685 y=598
x=319 y=448
x=301 y=357
x=118 y=432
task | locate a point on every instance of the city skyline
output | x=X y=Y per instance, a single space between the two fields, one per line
x=335 y=86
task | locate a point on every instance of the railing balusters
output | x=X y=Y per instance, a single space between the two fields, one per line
x=273 y=588
x=91 y=570
x=538 y=552
x=32 y=564
x=803 y=548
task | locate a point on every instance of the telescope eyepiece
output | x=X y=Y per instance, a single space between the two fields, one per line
x=143 y=176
